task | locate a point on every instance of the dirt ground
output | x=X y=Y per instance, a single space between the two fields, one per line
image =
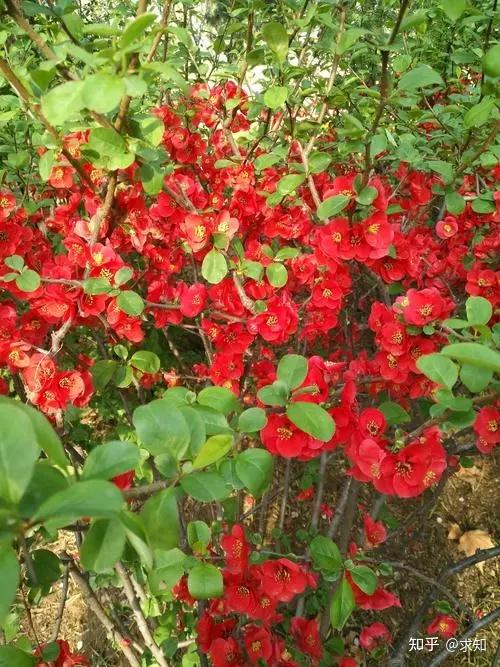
x=470 y=501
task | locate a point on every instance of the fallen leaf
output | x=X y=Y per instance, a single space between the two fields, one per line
x=470 y=475
x=455 y=531
x=473 y=540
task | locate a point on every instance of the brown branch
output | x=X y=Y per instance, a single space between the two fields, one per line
x=139 y=616
x=246 y=301
x=62 y=605
x=95 y=606
x=167 y=7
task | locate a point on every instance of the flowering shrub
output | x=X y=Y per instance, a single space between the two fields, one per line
x=228 y=273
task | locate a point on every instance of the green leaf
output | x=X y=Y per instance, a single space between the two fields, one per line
x=475 y=378
x=94 y=498
x=169 y=568
x=255 y=469
x=292 y=370
x=480 y=113
x=19 y=451
x=111 y=459
x=453 y=8
x=160 y=518
x=331 y=206
x=103 y=545
x=15 y=262
x=286 y=253
x=103 y=372
x=136 y=29
x=198 y=533
x=219 y=398
x=421 y=76
x=319 y=162
x=394 y=413
x=343 y=604
x=205 y=486
x=326 y=555
x=130 y=302
x=214 y=449
x=491 y=61
x=95 y=286
x=439 y=369
x=214 y=267
x=46 y=566
x=103 y=92
x=252 y=420
x=9 y=580
x=123 y=275
x=28 y=281
x=136 y=537
x=273 y=394
x=367 y=196
x=474 y=354
x=276 y=38
x=454 y=202
x=289 y=183
x=168 y=73
x=162 y=428
x=10 y=656
x=205 y=582
x=275 y=96
x=479 y=310
x=365 y=578
x=311 y=418
x=108 y=149
x=266 y=160
x=47 y=439
x=46 y=480
x=348 y=38
x=277 y=274
x=145 y=361
x=63 y=102
x=214 y=421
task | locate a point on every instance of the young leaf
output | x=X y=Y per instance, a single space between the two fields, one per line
x=252 y=420
x=343 y=604
x=479 y=310
x=365 y=578
x=9 y=579
x=439 y=369
x=219 y=398
x=103 y=545
x=277 y=274
x=326 y=555
x=292 y=370
x=162 y=428
x=255 y=469
x=311 y=418
x=111 y=459
x=130 y=303
x=276 y=38
x=275 y=96
x=214 y=267
x=145 y=361
x=214 y=449
x=205 y=582
x=332 y=206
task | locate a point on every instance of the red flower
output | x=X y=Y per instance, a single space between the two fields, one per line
x=375 y=532
x=278 y=323
x=487 y=428
x=283 y=580
x=225 y=653
x=282 y=437
x=446 y=228
x=424 y=306
x=236 y=550
x=257 y=641
x=442 y=625
x=65 y=657
x=374 y=635
x=193 y=299
x=306 y=634
x=124 y=481
x=305 y=494
x=7 y=205
x=61 y=177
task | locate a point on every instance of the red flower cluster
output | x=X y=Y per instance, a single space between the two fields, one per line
x=252 y=594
